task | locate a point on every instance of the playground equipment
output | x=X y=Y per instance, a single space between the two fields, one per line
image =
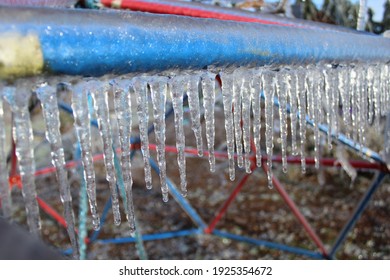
x=307 y=72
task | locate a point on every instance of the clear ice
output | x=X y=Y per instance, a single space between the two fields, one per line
x=48 y=97
x=99 y=91
x=158 y=90
x=5 y=194
x=122 y=104
x=18 y=99
x=83 y=132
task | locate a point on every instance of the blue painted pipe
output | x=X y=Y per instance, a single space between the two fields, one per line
x=357 y=213
x=268 y=244
x=152 y=237
x=94 y=43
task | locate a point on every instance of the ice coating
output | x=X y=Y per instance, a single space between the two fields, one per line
x=269 y=81
x=18 y=99
x=227 y=94
x=193 y=101
x=5 y=193
x=208 y=90
x=300 y=75
x=292 y=91
x=246 y=120
x=312 y=94
x=83 y=132
x=139 y=87
x=238 y=81
x=158 y=90
x=48 y=97
x=177 y=90
x=256 y=90
x=99 y=92
x=282 y=92
x=122 y=104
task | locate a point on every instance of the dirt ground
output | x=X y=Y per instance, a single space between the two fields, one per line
x=257 y=211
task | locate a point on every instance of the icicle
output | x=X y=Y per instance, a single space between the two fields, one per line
x=328 y=75
x=282 y=93
x=343 y=160
x=268 y=80
x=227 y=94
x=354 y=98
x=387 y=141
x=256 y=110
x=377 y=98
x=358 y=105
x=193 y=102
x=335 y=103
x=158 y=89
x=48 y=98
x=292 y=90
x=22 y=132
x=364 y=106
x=301 y=93
x=315 y=90
x=208 y=90
x=83 y=131
x=384 y=89
x=343 y=78
x=122 y=104
x=237 y=85
x=5 y=194
x=99 y=93
x=177 y=89
x=246 y=123
x=139 y=87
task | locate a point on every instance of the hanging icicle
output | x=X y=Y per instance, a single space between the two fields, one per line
x=83 y=132
x=5 y=193
x=193 y=101
x=139 y=87
x=227 y=93
x=99 y=93
x=18 y=99
x=208 y=91
x=48 y=97
x=122 y=104
x=158 y=90
x=269 y=81
x=177 y=90
x=256 y=89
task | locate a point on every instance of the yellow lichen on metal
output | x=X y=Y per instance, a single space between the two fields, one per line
x=20 y=55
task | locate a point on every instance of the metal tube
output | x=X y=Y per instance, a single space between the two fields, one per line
x=195 y=9
x=357 y=213
x=94 y=43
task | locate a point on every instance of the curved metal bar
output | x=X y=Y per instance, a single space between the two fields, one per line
x=94 y=43
x=195 y=9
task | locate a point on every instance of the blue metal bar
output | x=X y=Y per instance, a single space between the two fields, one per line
x=151 y=237
x=180 y=199
x=357 y=213
x=123 y=43
x=272 y=245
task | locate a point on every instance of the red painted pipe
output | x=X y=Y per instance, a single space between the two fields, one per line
x=165 y=8
x=227 y=202
x=290 y=203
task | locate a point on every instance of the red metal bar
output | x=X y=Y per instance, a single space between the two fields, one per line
x=329 y=162
x=163 y=8
x=227 y=203
x=290 y=203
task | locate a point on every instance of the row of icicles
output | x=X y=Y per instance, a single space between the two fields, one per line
x=317 y=92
